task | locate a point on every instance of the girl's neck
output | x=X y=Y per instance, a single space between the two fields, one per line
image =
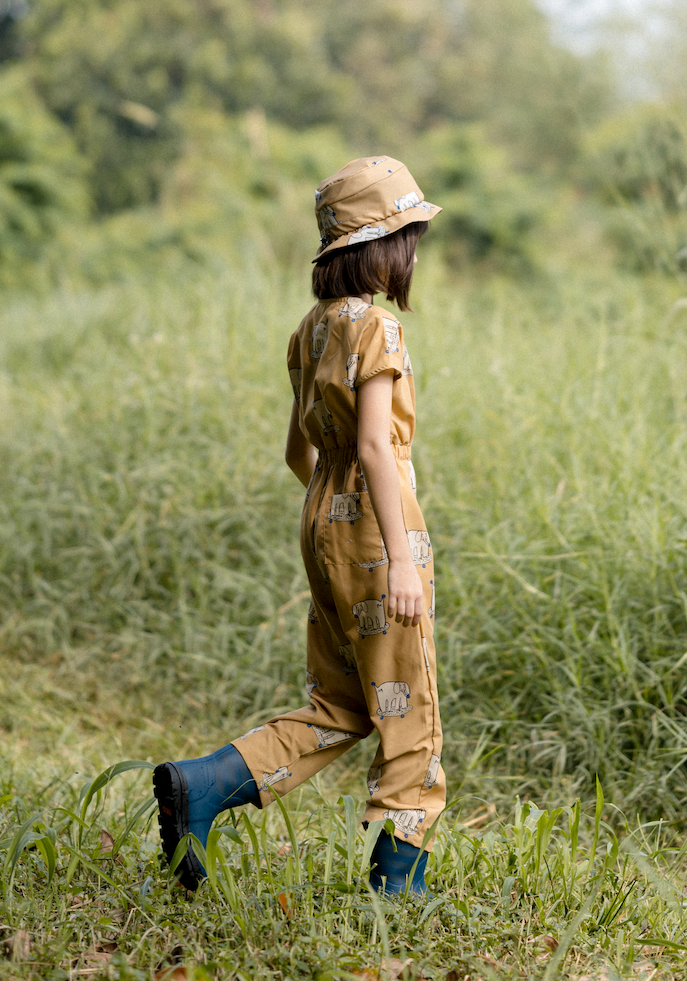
x=365 y=297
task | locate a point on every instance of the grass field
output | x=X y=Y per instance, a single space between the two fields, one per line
x=152 y=606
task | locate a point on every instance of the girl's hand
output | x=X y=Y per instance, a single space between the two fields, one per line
x=405 y=593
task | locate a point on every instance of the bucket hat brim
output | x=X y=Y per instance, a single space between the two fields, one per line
x=368 y=199
x=424 y=211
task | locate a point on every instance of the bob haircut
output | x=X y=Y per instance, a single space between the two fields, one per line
x=384 y=265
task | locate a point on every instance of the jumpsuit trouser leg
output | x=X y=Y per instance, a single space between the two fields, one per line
x=363 y=673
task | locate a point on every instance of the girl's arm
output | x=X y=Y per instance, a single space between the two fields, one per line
x=301 y=455
x=381 y=474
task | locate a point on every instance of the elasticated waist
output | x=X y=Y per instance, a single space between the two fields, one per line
x=349 y=453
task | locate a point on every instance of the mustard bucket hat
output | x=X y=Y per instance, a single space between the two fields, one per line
x=368 y=198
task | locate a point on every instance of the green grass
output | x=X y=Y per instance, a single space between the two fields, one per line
x=544 y=894
x=152 y=606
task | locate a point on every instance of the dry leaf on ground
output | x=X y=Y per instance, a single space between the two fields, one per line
x=285 y=905
x=18 y=946
x=175 y=972
x=100 y=955
x=386 y=971
x=107 y=947
x=107 y=845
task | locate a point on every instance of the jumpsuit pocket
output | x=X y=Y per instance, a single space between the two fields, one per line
x=351 y=535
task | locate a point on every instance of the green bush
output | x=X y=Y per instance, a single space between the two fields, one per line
x=635 y=167
x=246 y=183
x=42 y=177
x=490 y=209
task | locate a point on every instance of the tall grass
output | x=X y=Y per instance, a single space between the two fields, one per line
x=152 y=601
x=559 y=499
x=150 y=583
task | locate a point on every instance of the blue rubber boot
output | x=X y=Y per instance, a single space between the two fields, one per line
x=190 y=795
x=395 y=866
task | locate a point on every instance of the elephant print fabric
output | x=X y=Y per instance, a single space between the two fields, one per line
x=420 y=547
x=324 y=417
x=346 y=652
x=371 y=617
x=352 y=371
x=365 y=671
x=432 y=772
x=367 y=234
x=319 y=339
x=269 y=779
x=373 y=777
x=393 y=699
x=392 y=333
x=329 y=737
x=326 y=219
x=345 y=507
x=407 y=821
x=295 y=375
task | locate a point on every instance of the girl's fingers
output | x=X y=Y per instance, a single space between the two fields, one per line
x=405 y=611
x=409 y=613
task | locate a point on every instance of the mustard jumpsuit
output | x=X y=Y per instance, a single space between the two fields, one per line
x=363 y=671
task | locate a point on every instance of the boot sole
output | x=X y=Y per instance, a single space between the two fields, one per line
x=171 y=790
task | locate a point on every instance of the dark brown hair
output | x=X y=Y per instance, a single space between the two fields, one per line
x=384 y=265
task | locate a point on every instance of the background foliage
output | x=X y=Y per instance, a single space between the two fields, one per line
x=488 y=114
x=157 y=165
x=219 y=115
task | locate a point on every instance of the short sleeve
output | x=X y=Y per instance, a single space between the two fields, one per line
x=380 y=348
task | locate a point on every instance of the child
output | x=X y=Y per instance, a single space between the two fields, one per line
x=367 y=554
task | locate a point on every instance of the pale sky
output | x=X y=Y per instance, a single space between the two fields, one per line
x=580 y=24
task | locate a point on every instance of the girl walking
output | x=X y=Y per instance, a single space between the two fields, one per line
x=370 y=650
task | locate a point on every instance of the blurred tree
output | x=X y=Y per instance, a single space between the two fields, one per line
x=108 y=70
x=536 y=97
x=490 y=209
x=381 y=73
x=636 y=166
x=42 y=176
x=638 y=154
x=10 y=12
